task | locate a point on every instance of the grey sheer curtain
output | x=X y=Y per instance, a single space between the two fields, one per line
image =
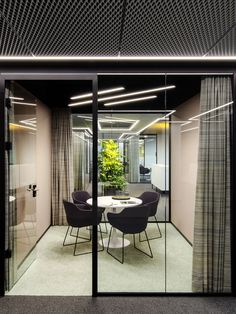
x=62 y=163
x=133 y=159
x=79 y=160
x=211 y=246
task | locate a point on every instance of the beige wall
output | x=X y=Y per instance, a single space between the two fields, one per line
x=43 y=149
x=184 y=154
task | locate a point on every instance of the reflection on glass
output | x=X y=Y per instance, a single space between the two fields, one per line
x=122 y=153
x=22 y=178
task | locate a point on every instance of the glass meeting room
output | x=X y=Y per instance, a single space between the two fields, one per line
x=162 y=166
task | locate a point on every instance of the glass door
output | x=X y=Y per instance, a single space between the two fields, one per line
x=21 y=177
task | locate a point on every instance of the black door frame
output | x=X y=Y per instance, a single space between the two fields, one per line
x=64 y=70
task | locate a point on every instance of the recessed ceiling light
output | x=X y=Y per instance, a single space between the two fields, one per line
x=146 y=91
x=16 y=98
x=129 y=100
x=101 y=92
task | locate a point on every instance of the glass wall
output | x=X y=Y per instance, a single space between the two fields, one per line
x=164 y=181
x=131 y=138
x=174 y=142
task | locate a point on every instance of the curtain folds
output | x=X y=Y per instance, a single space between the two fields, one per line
x=62 y=163
x=211 y=245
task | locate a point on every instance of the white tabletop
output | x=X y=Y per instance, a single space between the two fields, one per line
x=108 y=201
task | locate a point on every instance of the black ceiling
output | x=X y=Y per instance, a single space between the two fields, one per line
x=57 y=93
x=117 y=27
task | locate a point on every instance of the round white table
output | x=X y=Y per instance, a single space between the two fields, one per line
x=110 y=203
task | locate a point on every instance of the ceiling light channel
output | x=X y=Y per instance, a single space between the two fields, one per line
x=102 y=92
x=146 y=91
x=24 y=103
x=149 y=124
x=16 y=98
x=214 y=109
x=123 y=95
x=129 y=100
x=206 y=112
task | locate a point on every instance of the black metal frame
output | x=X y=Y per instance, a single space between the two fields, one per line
x=13 y=70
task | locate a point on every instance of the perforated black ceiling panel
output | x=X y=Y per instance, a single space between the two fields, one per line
x=176 y=27
x=63 y=27
x=117 y=27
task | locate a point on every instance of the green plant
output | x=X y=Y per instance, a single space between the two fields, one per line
x=110 y=166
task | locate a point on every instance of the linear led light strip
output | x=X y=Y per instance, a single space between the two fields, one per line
x=150 y=124
x=214 y=109
x=82 y=129
x=16 y=98
x=191 y=129
x=106 y=118
x=129 y=100
x=83 y=139
x=123 y=95
x=135 y=122
x=28 y=123
x=22 y=126
x=24 y=103
x=114 y=119
x=101 y=92
x=120 y=58
x=31 y=121
x=206 y=112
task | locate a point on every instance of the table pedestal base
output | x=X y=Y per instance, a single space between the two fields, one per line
x=115 y=242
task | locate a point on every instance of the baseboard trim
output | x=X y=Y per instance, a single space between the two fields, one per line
x=181 y=233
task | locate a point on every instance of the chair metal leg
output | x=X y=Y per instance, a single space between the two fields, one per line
x=104 y=219
x=122 y=253
x=66 y=236
x=77 y=243
x=77 y=234
x=150 y=255
x=158 y=229
x=100 y=230
x=82 y=237
x=154 y=238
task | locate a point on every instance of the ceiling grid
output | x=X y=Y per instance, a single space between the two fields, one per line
x=117 y=27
